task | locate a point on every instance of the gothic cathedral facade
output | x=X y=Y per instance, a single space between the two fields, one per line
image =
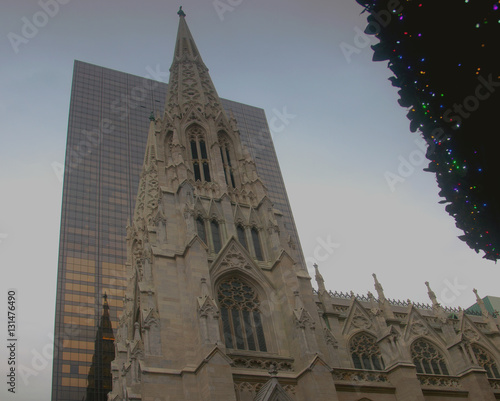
x=219 y=304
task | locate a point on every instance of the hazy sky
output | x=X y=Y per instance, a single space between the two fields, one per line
x=337 y=128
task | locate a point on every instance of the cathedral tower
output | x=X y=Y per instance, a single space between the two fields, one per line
x=219 y=304
x=218 y=295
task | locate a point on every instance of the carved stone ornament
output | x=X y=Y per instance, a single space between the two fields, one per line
x=235 y=259
x=471 y=334
x=419 y=329
x=361 y=322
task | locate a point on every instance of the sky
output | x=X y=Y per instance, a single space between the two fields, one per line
x=352 y=168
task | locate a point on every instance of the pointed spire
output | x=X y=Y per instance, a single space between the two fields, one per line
x=481 y=304
x=105 y=303
x=432 y=295
x=190 y=86
x=378 y=288
x=436 y=306
x=319 y=279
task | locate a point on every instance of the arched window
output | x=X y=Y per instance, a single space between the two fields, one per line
x=428 y=359
x=256 y=244
x=365 y=353
x=199 y=155
x=242 y=237
x=200 y=229
x=216 y=238
x=240 y=316
x=486 y=361
x=225 y=154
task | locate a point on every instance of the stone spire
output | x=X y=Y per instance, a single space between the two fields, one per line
x=99 y=377
x=379 y=289
x=436 y=306
x=148 y=193
x=319 y=280
x=382 y=300
x=190 y=86
x=480 y=303
x=487 y=317
x=432 y=295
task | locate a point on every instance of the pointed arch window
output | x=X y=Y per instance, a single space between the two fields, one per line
x=428 y=359
x=200 y=229
x=486 y=361
x=225 y=154
x=256 y=244
x=240 y=316
x=216 y=235
x=242 y=237
x=365 y=353
x=199 y=155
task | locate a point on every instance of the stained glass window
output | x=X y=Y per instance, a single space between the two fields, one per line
x=199 y=155
x=486 y=361
x=365 y=353
x=256 y=244
x=428 y=359
x=242 y=238
x=241 y=319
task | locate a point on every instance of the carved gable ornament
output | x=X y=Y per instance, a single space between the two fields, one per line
x=357 y=318
x=233 y=257
x=416 y=326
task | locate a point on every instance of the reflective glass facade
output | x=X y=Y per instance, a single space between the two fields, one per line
x=107 y=131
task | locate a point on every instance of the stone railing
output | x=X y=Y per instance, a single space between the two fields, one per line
x=438 y=381
x=397 y=302
x=359 y=376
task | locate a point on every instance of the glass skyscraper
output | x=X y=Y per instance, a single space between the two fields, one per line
x=107 y=131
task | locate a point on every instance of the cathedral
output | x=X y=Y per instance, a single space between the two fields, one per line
x=219 y=303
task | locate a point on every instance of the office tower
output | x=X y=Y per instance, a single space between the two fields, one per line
x=107 y=131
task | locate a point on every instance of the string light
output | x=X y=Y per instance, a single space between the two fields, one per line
x=443 y=90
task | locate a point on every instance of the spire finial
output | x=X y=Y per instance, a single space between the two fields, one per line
x=181 y=13
x=432 y=294
x=105 y=303
x=378 y=288
x=319 y=279
x=152 y=116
